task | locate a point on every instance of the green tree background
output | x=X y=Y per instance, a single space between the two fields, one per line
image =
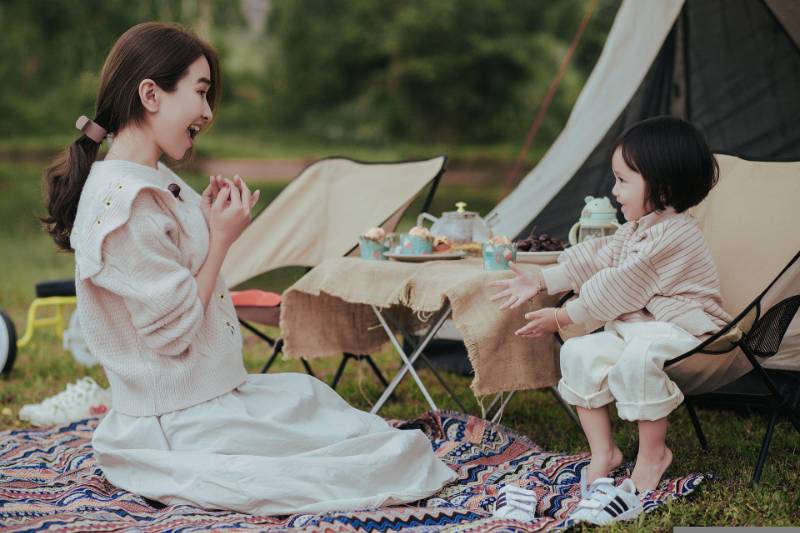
x=366 y=71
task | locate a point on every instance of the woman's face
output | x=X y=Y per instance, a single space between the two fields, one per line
x=183 y=112
x=630 y=189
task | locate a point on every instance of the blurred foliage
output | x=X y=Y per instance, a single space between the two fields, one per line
x=367 y=71
x=450 y=70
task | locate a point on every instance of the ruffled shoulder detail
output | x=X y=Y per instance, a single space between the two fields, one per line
x=106 y=204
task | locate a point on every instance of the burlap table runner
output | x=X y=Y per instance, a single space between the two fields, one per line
x=327 y=312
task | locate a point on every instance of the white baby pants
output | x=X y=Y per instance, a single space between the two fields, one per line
x=625 y=363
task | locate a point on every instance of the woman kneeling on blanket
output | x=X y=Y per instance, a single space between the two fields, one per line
x=655 y=286
x=188 y=425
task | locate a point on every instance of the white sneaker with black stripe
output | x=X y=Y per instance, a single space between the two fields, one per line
x=605 y=502
x=515 y=503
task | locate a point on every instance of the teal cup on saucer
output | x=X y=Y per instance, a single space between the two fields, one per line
x=414 y=245
x=497 y=256
x=372 y=250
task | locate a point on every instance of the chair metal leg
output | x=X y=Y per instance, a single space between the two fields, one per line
x=309 y=371
x=442 y=382
x=567 y=407
x=370 y=361
x=794 y=420
x=276 y=349
x=263 y=336
x=696 y=424
x=340 y=370
x=376 y=370
x=762 y=455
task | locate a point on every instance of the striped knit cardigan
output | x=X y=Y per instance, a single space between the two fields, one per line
x=656 y=268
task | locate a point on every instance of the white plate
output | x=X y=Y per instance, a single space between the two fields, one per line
x=418 y=258
x=539 y=258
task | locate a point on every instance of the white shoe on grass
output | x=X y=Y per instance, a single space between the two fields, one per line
x=605 y=502
x=515 y=503
x=82 y=399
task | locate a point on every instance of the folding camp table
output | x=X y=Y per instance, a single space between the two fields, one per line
x=356 y=305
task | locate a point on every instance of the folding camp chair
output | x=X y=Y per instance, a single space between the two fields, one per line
x=320 y=215
x=750 y=222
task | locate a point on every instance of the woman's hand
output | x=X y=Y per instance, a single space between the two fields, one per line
x=229 y=214
x=210 y=194
x=543 y=322
x=519 y=289
x=215 y=184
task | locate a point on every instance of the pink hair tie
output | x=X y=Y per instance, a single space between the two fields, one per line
x=91 y=129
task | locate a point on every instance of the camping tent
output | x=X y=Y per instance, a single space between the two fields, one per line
x=731 y=67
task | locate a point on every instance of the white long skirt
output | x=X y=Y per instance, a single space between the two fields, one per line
x=277 y=444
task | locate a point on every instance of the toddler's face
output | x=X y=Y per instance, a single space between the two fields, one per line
x=183 y=112
x=630 y=189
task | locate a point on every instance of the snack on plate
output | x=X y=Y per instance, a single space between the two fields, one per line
x=470 y=248
x=498 y=240
x=540 y=243
x=375 y=234
x=419 y=231
x=441 y=244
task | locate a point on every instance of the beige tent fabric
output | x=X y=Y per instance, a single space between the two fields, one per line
x=321 y=213
x=327 y=312
x=788 y=14
x=635 y=38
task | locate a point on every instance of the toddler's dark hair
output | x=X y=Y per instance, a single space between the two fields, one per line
x=673 y=158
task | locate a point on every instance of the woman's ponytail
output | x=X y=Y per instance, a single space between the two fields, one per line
x=63 y=183
x=150 y=50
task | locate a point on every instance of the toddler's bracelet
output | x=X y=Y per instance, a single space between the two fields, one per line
x=555 y=315
x=539 y=287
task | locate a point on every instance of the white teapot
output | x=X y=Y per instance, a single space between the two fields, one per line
x=598 y=219
x=460 y=226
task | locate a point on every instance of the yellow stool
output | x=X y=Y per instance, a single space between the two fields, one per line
x=55 y=295
x=56 y=319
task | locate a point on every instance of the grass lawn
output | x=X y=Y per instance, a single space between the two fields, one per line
x=43 y=368
x=220 y=144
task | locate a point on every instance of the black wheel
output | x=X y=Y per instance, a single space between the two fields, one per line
x=8 y=343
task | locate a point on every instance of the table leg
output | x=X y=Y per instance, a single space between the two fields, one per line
x=439 y=378
x=499 y=413
x=408 y=362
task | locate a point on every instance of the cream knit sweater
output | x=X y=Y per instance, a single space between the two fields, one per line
x=656 y=268
x=137 y=250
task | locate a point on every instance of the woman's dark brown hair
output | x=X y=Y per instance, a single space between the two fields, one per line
x=151 y=50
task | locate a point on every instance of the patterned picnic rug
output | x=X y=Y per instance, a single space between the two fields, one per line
x=49 y=481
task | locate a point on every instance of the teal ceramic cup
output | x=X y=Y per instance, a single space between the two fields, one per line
x=497 y=256
x=372 y=250
x=414 y=245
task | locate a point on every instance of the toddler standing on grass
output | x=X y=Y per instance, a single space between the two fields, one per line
x=654 y=285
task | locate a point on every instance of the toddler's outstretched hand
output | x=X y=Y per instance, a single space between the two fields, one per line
x=519 y=289
x=542 y=322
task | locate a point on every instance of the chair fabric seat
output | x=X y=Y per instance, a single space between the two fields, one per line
x=257 y=306
x=255 y=298
x=56 y=287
